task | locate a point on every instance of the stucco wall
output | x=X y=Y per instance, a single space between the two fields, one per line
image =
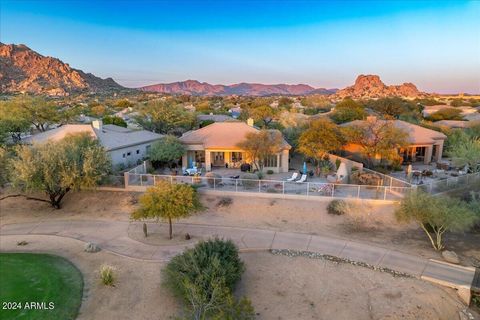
x=118 y=159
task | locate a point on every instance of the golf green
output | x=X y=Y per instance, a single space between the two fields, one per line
x=39 y=286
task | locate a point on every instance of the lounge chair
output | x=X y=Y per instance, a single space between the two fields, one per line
x=302 y=179
x=294 y=177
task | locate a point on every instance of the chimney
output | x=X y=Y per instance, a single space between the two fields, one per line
x=250 y=122
x=97 y=124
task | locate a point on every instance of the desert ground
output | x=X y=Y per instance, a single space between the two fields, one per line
x=369 y=222
x=279 y=287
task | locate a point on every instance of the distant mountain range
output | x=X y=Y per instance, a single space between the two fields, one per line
x=194 y=87
x=24 y=70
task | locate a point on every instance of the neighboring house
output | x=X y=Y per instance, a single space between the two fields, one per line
x=216 y=146
x=425 y=145
x=214 y=117
x=429 y=110
x=452 y=124
x=235 y=112
x=126 y=147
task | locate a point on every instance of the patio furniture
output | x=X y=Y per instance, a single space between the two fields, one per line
x=191 y=171
x=294 y=177
x=302 y=179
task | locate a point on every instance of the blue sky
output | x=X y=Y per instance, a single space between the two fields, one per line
x=434 y=44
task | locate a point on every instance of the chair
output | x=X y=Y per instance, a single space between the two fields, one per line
x=302 y=179
x=294 y=177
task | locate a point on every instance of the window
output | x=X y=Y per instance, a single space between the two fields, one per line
x=129 y=154
x=237 y=156
x=138 y=151
x=123 y=155
x=271 y=161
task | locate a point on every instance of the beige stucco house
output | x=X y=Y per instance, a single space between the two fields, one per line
x=216 y=146
x=425 y=145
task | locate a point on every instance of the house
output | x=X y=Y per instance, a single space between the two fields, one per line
x=214 y=117
x=425 y=145
x=452 y=124
x=126 y=147
x=464 y=111
x=216 y=146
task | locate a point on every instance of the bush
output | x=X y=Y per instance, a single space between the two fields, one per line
x=260 y=175
x=270 y=171
x=205 y=276
x=366 y=178
x=213 y=179
x=250 y=180
x=225 y=202
x=337 y=207
x=106 y=274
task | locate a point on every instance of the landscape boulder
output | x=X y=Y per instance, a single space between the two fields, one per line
x=450 y=256
x=91 y=247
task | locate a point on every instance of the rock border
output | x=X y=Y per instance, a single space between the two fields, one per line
x=316 y=255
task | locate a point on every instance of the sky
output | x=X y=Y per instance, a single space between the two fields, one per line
x=433 y=44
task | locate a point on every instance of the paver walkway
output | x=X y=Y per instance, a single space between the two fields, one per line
x=113 y=236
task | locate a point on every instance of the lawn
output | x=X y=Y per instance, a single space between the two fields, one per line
x=37 y=278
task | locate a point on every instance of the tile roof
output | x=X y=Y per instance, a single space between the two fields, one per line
x=221 y=135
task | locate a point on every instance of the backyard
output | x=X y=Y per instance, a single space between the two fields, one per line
x=280 y=287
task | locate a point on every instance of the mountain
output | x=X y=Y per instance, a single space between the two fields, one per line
x=193 y=87
x=24 y=70
x=370 y=86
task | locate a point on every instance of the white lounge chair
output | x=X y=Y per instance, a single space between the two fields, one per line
x=294 y=177
x=302 y=179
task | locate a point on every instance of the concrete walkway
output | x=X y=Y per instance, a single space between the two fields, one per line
x=113 y=236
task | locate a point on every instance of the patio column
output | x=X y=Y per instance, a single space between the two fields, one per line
x=285 y=164
x=428 y=154
x=185 y=161
x=208 y=161
x=439 y=151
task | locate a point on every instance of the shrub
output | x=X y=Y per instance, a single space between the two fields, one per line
x=366 y=178
x=205 y=276
x=213 y=179
x=337 y=207
x=250 y=180
x=260 y=175
x=224 y=202
x=269 y=171
x=106 y=274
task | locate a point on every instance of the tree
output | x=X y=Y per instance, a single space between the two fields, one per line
x=435 y=215
x=466 y=153
x=114 y=120
x=377 y=138
x=348 y=110
x=39 y=112
x=393 y=107
x=165 y=117
x=167 y=201
x=12 y=122
x=76 y=162
x=4 y=160
x=319 y=139
x=264 y=113
x=261 y=145
x=168 y=150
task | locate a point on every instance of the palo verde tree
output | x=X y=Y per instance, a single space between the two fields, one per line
x=74 y=163
x=167 y=201
x=321 y=137
x=168 y=150
x=435 y=215
x=348 y=110
x=261 y=145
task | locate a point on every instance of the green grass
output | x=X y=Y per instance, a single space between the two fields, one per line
x=26 y=277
